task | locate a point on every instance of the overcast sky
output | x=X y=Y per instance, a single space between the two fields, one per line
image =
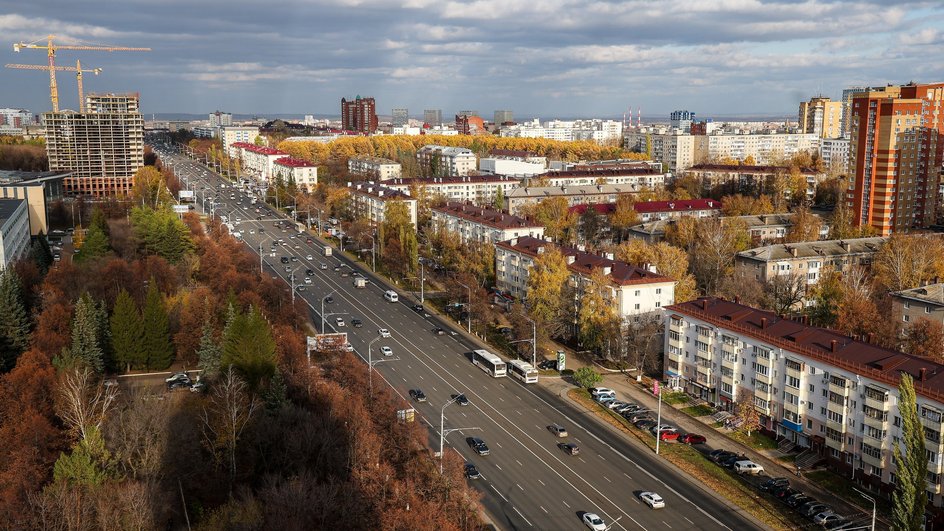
x=547 y=58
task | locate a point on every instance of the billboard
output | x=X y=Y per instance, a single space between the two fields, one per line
x=186 y=195
x=330 y=342
x=181 y=209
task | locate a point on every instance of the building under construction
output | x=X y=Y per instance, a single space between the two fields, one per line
x=102 y=147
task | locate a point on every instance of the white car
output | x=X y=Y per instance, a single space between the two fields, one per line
x=307 y=280
x=384 y=332
x=652 y=499
x=386 y=351
x=594 y=522
x=309 y=257
x=339 y=321
x=748 y=467
x=594 y=391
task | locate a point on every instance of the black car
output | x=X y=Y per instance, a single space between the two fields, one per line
x=329 y=299
x=309 y=272
x=644 y=424
x=728 y=462
x=284 y=259
x=471 y=472
x=797 y=500
x=438 y=331
x=774 y=482
x=357 y=323
x=717 y=455
x=462 y=400
x=478 y=445
x=810 y=511
x=784 y=493
x=418 y=395
x=418 y=308
x=179 y=384
x=548 y=365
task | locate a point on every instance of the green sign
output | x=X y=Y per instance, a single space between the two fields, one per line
x=560 y=360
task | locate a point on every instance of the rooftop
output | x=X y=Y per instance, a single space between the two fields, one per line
x=830 y=347
x=262 y=150
x=817 y=249
x=604 y=171
x=643 y=207
x=744 y=168
x=450 y=151
x=294 y=163
x=753 y=222
x=485 y=215
x=8 y=207
x=432 y=181
x=587 y=189
x=375 y=160
x=933 y=293
x=584 y=263
x=378 y=190
x=517 y=153
x=30 y=177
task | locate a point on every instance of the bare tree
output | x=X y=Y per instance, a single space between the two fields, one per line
x=644 y=342
x=785 y=292
x=84 y=402
x=230 y=409
x=137 y=437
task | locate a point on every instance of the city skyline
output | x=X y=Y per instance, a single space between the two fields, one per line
x=565 y=58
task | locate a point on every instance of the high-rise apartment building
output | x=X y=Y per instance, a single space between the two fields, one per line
x=16 y=117
x=103 y=147
x=896 y=150
x=846 y=119
x=681 y=120
x=502 y=117
x=400 y=117
x=235 y=134
x=433 y=117
x=221 y=119
x=359 y=114
x=821 y=117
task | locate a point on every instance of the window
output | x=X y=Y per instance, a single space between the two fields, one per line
x=636 y=293
x=658 y=291
x=906 y=318
x=793 y=382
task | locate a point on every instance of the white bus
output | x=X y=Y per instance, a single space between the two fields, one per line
x=489 y=363
x=523 y=371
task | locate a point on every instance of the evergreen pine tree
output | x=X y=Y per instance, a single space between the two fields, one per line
x=127 y=333
x=209 y=352
x=41 y=253
x=911 y=462
x=14 y=322
x=99 y=221
x=499 y=199
x=249 y=348
x=157 y=349
x=276 y=396
x=86 y=334
x=96 y=245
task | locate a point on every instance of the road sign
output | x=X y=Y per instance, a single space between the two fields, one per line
x=561 y=358
x=181 y=209
x=186 y=195
x=406 y=415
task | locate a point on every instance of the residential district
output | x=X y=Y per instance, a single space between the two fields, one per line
x=623 y=323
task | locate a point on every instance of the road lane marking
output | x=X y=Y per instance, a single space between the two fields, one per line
x=522 y=516
x=520 y=487
x=519 y=462
x=627 y=475
x=689 y=521
x=666 y=524
x=543 y=509
x=607 y=479
x=499 y=468
x=565 y=503
x=499 y=492
x=542 y=483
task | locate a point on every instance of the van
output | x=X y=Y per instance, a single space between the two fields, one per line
x=391 y=296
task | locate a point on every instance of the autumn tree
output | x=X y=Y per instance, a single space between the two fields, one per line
x=746 y=412
x=547 y=279
x=150 y=189
x=157 y=352
x=907 y=261
x=825 y=298
x=911 y=462
x=160 y=232
x=591 y=226
x=559 y=222
x=925 y=338
x=804 y=226
x=248 y=348
x=786 y=292
x=14 y=322
x=597 y=318
x=127 y=333
x=397 y=236
x=715 y=245
x=624 y=217
x=667 y=259
x=84 y=402
x=643 y=337
x=682 y=232
x=225 y=417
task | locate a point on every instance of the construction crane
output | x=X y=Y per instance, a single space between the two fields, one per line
x=51 y=48
x=78 y=76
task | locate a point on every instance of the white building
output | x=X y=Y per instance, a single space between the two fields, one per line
x=575 y=195
x=322 y=139
x=633 y=290
x=14 y=231
x=483 y=224
x=835 y=151
x=407 y=130
x=375 y=168
x=820 y=389
x=16 y=118
x=304 y=173
x=369 y=200
x=479 y=189
x=510 y=166
x=256 y=160
x=600 y=131
x=444 y=161
x=204 y=131
x=233 y=134
x=673 y=148
x=221 y=119
x=638 y=176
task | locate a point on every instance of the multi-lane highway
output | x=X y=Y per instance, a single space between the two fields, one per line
x=528 y=482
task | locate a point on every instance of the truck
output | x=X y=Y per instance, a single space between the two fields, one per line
x=360 y=282
x=327 y=251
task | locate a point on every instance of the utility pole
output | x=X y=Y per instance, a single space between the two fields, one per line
x=442 y=431
x=468 y=310
x=422 y=282
x=370 y=364
x=658 y=391
x=534 y=343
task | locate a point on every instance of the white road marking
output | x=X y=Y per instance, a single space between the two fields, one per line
x=565 y=503
x=522 y=516
x=666 y=524
x=543 y=509
x=519 y=462
x=542 y=483
x=607 y=479
x=520 y=487
x=499 y=468
x=499 y=492
x=627 y=475
x=689 y=521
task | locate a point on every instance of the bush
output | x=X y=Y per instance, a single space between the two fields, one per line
x=587 y=377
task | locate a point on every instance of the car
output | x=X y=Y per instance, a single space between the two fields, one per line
x=471 y=472
x=418 y=395
x=294 y=258
x=594 y=391
x=357 y=323
x=720 y=455
x=669 y=435
x=615 y=404
x=339 y=321
x=418 y=308
x=557 y=430
x=177 y=376
x=288 y=269
x=462 y=400
x=637 y=416
x=569 y=448
x=548 y=365
x=302 y=287
x=747 y=467
x=603 y=399
x=797 y=500
x=384 y=332
x=826 y=517
x=337 y=268
x=812 y=509
x=478 y=445
x=728 y=462
x=644 y=424
x=309 y=273
x=348 y=347
x=329 y=299
x=773 y=483
x=386 y=351
x=324 y=266
x=692 y=438
x=664 y=427
x=178 y=384
x=439 y=331
x=626 y=408
x=197 y=387
x=653 y=500
x=309 y=257
x=784 y=493
x=284 y=259
x=593 y=521
x=296 y=246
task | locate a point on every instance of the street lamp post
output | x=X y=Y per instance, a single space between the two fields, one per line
x=534 y=343
x=422 y=282
x=293 y=292
x=373 y=253
x=370 y=364
x=322 y=311
x=871 y=499
x=442 y=432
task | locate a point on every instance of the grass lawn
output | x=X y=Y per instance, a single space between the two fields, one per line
x=843 y=487
x=676 y=398
x=757 y=440
x=698 y=411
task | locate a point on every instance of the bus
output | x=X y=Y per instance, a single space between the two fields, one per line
x=489 y=363
x=523 y=371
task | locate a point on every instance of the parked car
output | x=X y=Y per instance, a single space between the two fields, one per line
x=669 y=435
x=418 y=308
x=826 y=517
x=747 y=467
x=178 y=384
x=569 y=448
x=471 y=472
x=418 y=395
x=593 y=521
x=636 y=416
x=439 y=331
x=557 y=430
x=797 y=500
x=177 y=376
x=772 y=483
x=615 y=404
x=644 y=424
x=357 y=323
x=784 y=493
x=652 y=499
x=329 y=299
x=197 y=387
x=478 y=445
x=594 y=391
x=692 y=438
x=664 y=427
x=810 y=510
x=547 y=365
x=730 y=461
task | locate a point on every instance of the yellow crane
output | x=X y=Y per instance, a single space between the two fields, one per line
x=51 y=48
x=78 y=76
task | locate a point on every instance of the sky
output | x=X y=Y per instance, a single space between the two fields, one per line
x=538 y=58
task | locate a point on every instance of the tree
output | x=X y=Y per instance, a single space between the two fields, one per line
x=624 y=217
x=546 y=280
x=911 y=463
x=925 y=338
x=644 y=342
x=586 y=377
x=14 y=323
x=156 y=348
x=841 y=226
x=89 y=463
x=41 y=253
x=209 y=352
x=907 y=261
x=94 y=246
x=84 y=402
x=785 y=292
x=248 y=347
x=805 y=226
x=88 y=334
x=746 y=412
x=712 y=255
x=559 y=222
x=826 y=296
x=682 y=233
x=150 y=188
x=592 y=225
x=499 y=202
x=597 y=316
x=127 y=333
x=229 y=411
x=160 y=232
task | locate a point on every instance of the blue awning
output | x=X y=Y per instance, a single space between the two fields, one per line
x=792 y=425
x=672 y=373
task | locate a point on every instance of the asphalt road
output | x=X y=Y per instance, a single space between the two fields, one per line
x=528 y=482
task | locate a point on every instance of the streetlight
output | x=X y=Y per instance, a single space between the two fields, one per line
x=871 y=499
x=293 y=292
x=323 y=312
x=370 y=364
x=442 y=433
x=533 y=341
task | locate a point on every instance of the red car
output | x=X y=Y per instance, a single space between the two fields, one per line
x=692 y=438
x=669 y=435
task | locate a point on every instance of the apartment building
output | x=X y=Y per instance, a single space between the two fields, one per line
x=895 y=156
x=503 y=117
x=633 y=290
x=102 y=147
x=374 y=168
x=847 y=95
x=369 y=200
x=16 y=118
x=479 y=189
x=221 y=119
x=640 y=176
x=674 y=148
x=807 y=258
x=237 y=134
x=748 y=179
x=925 y=302
x=763 y=228
x=599 y=131
x=482 y=224
x=359 y=115
x=575 y=195
x=433 y=117
x=258 y=161
x=512 y=163
x=14 y=231
x=820 y=389
x=660 y=210
x=468 y=124
x=821 y=117
x=442 y=161
x=303 y=173
x=835 y=154
x=399 y=117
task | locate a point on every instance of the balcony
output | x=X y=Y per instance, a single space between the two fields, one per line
x=701 y=369
x=838 y=445
x=839 y=389
x=874 y=461
x=934 y=487
x=872 y=402
x=729 y=363
x=838 y=426
x=874 y=422
x=762 y=378
x=675 y=357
